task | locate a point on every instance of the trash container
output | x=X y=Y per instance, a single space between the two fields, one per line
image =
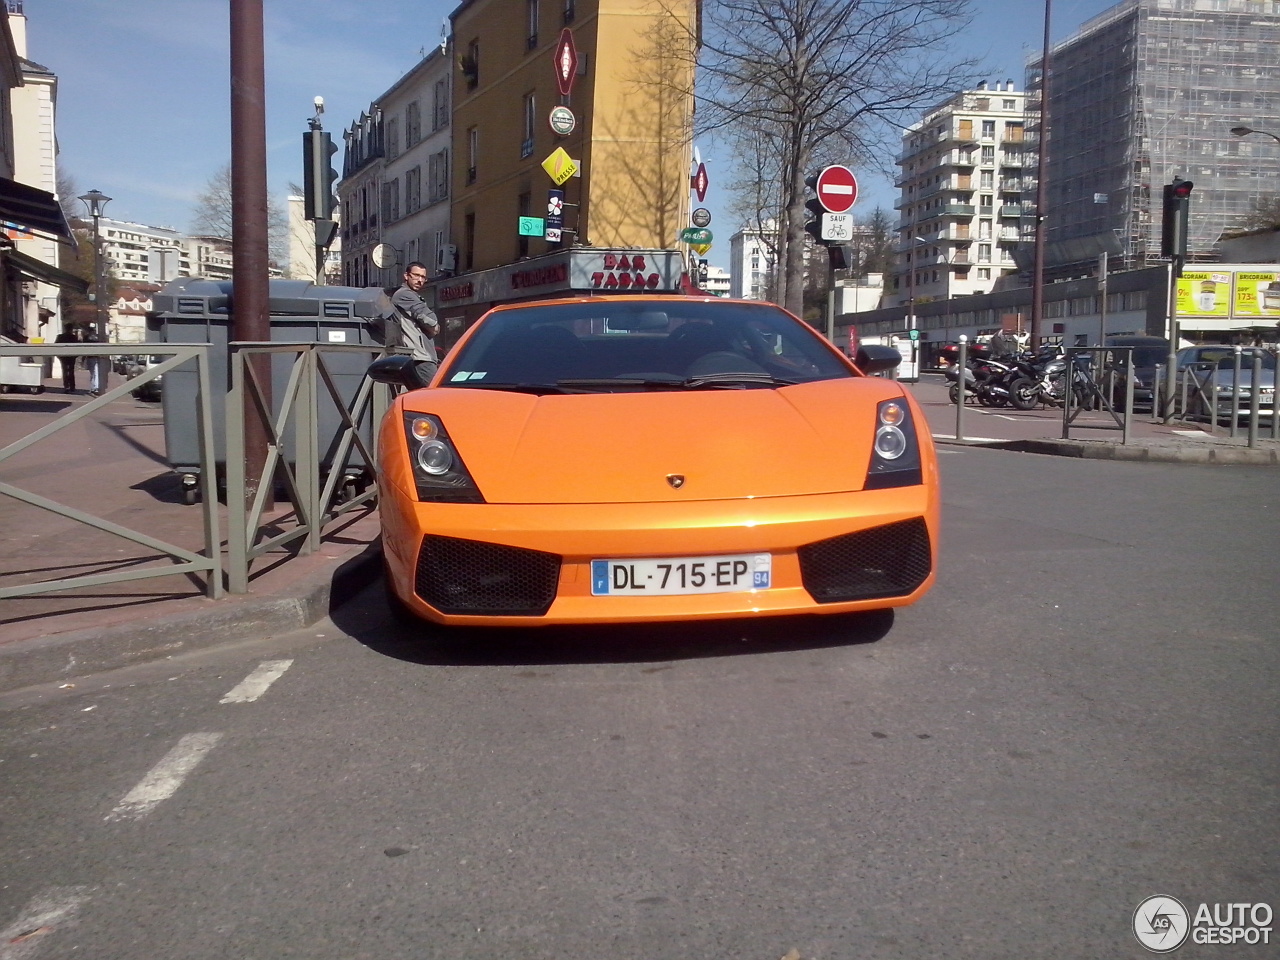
x=197 y=310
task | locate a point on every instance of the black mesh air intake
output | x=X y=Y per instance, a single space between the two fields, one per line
x=486 y=579
x=888 y=561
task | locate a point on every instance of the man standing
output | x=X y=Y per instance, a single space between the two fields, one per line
x=68 y=363
x=418 y=324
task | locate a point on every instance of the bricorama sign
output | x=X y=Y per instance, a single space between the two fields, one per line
x=569 y=272
x=1221 y=292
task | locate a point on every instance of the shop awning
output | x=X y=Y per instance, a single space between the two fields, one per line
x=39 y=270
x=32 y=209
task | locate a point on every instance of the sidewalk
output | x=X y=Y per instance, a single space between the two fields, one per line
x=1093 y=434
x=113 y=465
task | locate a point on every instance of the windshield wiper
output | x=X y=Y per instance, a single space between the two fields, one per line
x=538 y=389
x=586 y=385
x=738 y=380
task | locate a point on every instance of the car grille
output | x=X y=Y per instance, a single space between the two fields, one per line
x=487 y=579
x=888 y=561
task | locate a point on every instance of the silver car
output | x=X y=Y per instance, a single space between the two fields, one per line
x=1207 y=369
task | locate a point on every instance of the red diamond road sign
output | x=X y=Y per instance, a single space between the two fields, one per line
x=837 y=188
x=700 y=181
x=566 y=62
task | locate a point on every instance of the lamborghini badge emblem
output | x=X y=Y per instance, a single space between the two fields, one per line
x=676 y=480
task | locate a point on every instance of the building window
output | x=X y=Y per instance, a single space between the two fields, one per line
x=391 y=200
x=469 y=241
x=393 y=138
x=531 y=6
x=530 y=124
x=438 y=176
x=412 y=189
x=1010 y=104
x=440 y=105
x=412 y=124
x=984 y=253
x=988 y=155
x=473 y=153
x=988 y=129
x=470 y=64
x=987 y=180
x=522 y=210
x=984 y=273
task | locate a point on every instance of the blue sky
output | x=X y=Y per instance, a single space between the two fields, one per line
x=143 y=86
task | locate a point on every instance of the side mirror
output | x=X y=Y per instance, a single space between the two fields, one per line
x=876 y=358
x=399 y=369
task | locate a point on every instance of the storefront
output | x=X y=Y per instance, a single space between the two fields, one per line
x=578 y=271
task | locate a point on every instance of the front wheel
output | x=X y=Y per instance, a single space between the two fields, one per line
x=954 y=393
x=1024 y=393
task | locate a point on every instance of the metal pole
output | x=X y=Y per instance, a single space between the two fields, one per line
x=99 y=302
x=1253 y=399
x=1042 y=193
x=1171 y=369
x=831 y=300
x=962 y=361
x=251 y=317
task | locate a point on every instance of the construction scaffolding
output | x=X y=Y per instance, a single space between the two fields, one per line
x=1149 y=90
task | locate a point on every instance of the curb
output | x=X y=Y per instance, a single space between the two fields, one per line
x=1138 y=452
x=82 y=652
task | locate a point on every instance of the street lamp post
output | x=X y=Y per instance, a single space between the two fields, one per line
x=96 y=201
x=1245 y=131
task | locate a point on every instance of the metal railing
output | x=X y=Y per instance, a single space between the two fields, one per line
x=322 y=485
x=207 y=561
x=1197 y=397
x=312 y=481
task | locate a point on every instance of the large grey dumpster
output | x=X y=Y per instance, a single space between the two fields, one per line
x=196 y=310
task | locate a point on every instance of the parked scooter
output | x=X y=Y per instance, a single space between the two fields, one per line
x=985 y=378
x=1042 y=378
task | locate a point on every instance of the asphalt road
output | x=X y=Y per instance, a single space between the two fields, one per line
x=1081 y=715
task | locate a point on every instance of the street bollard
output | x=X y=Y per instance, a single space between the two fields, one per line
x=1255 y=390
x=1235 y=397
x=962 y=365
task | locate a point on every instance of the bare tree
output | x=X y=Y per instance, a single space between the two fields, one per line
x=1265 y=215
x=212 y=216
x=822 y=79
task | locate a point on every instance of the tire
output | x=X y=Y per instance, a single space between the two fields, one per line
x=954 y=393
x=1024 y=393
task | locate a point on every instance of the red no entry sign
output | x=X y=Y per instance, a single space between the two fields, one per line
x=837 y=188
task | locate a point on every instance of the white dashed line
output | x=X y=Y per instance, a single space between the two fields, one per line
x=39 y=920
x=165 y=777
x=256 y=684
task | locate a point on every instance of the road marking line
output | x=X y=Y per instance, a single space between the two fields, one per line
x=57 y=905
x=256 y=684
x=165 y=777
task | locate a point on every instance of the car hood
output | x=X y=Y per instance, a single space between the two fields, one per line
x=620 y=448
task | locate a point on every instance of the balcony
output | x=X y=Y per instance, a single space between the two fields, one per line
x=958 y=210
x=1011 y=210
x=1013 y=160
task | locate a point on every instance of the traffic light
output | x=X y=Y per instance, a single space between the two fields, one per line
x=814 y=206
x=318 y=176
x=1177 y=205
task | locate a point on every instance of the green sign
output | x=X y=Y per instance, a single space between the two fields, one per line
x=913 y=334
x=532 y=227
x=698 y=235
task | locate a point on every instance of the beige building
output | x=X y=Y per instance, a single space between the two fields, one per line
x=962 y=194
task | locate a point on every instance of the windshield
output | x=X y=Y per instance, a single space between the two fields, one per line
x=1246 y=361
x=597 y=346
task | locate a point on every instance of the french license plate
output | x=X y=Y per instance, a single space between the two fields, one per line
x=681 y=575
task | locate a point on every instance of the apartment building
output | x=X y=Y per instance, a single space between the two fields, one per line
x=1149 y=90
x=961 y=197
x=395 y=187
x=752 y=261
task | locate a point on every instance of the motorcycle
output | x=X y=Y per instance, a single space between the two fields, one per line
x=1043 y=379
x=984 y=378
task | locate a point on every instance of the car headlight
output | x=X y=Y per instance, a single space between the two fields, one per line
x=895 y=452
x=438 y=472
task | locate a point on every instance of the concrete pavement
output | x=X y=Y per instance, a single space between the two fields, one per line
x=112 y=464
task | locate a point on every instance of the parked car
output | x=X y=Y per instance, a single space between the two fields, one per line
x=652 y=458
x=1148 y=353
x=1210 y=367
x=151 y=390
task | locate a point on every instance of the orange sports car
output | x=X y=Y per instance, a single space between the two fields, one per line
x=649 y=458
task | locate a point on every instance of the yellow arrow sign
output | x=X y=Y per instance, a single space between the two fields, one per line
x=701 y=248
x=559 y=166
